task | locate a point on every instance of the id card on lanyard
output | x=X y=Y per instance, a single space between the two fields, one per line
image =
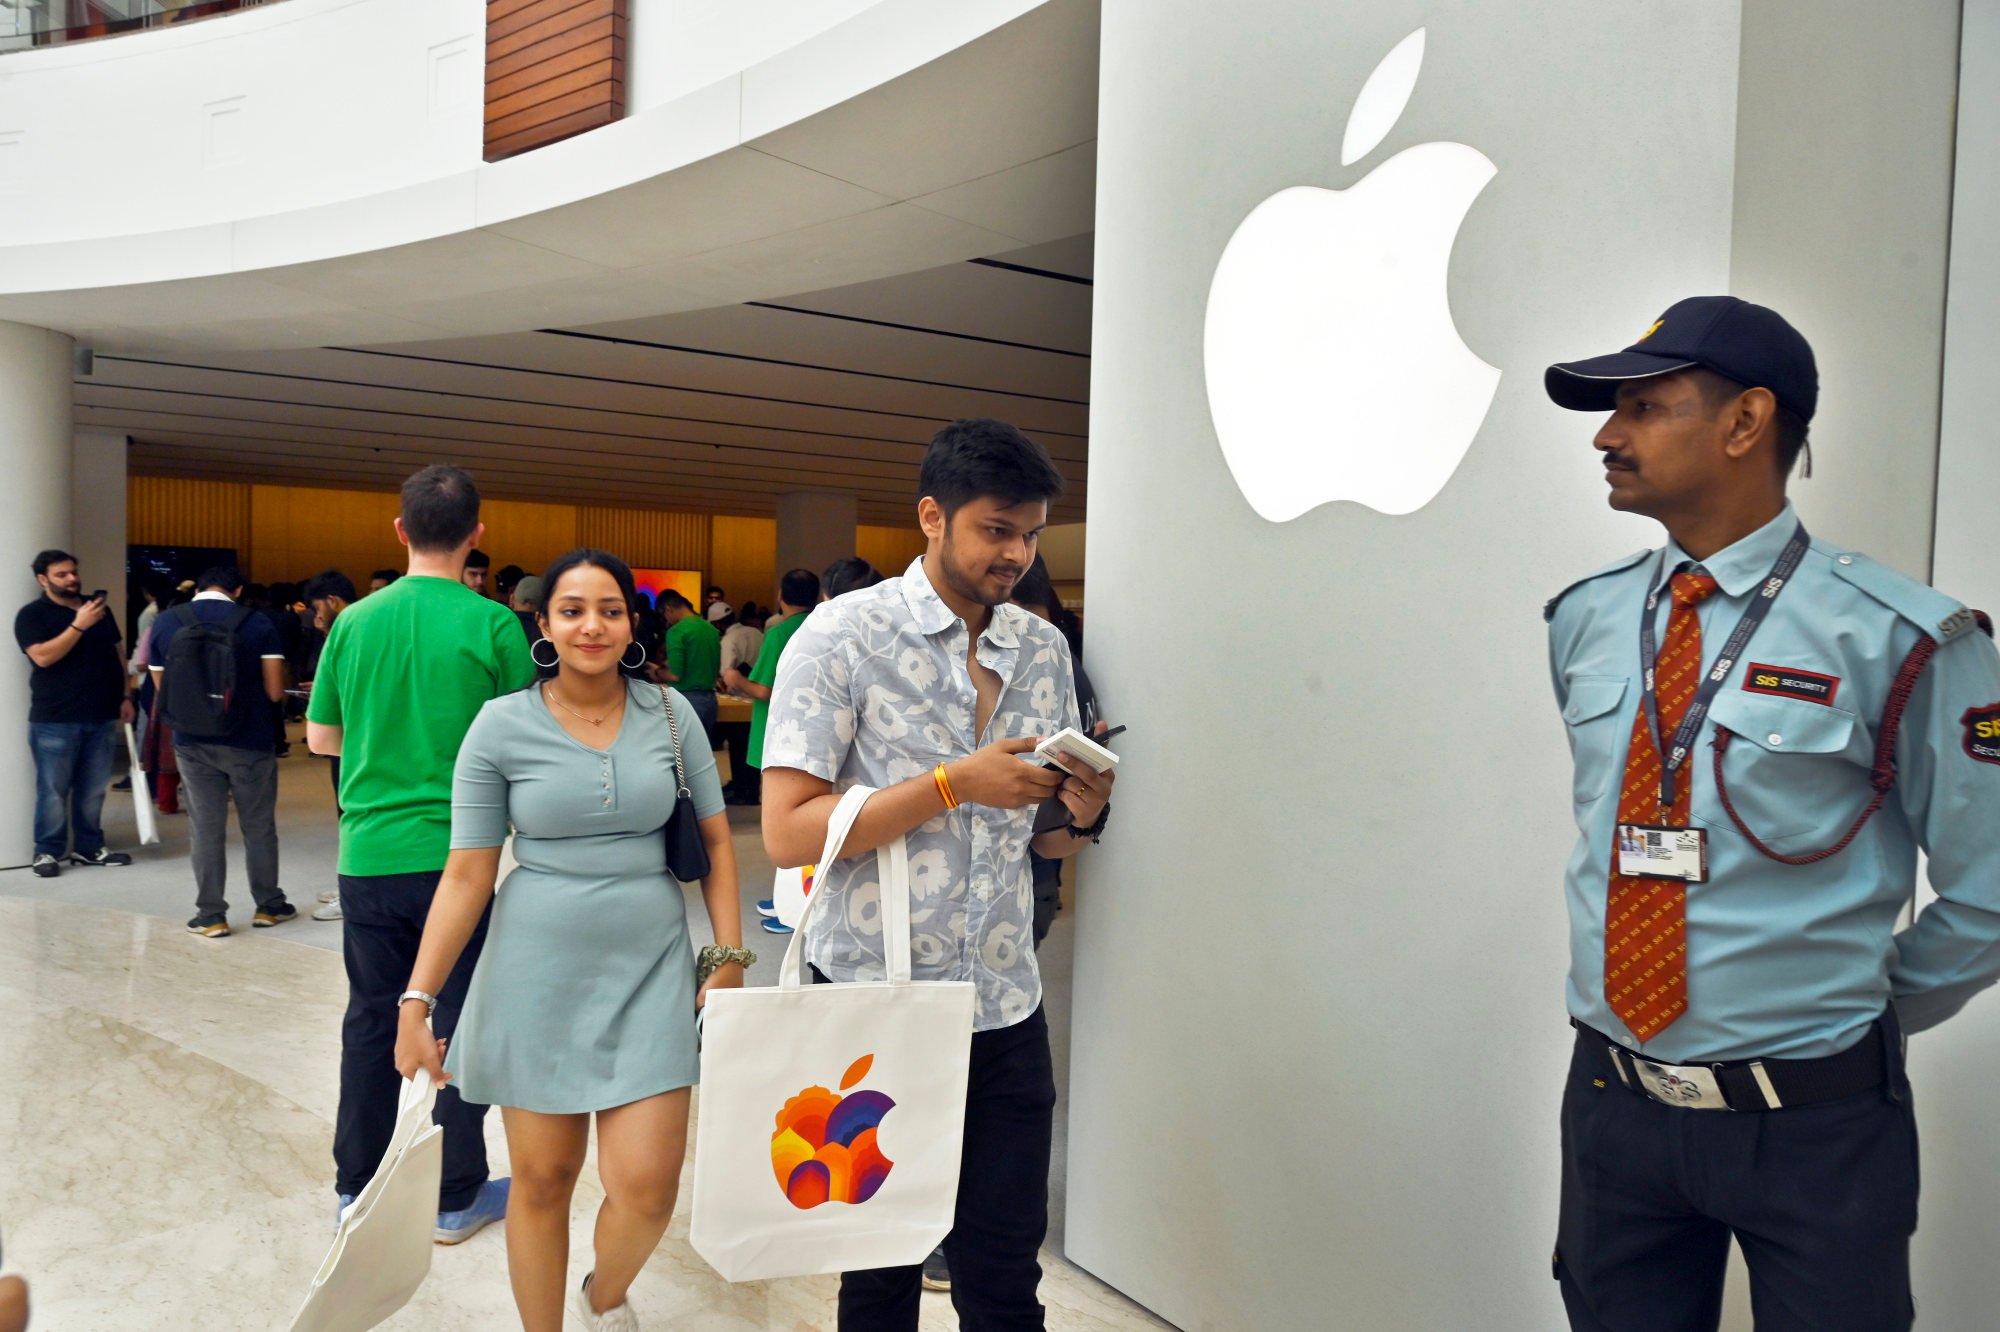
x=1663 y=850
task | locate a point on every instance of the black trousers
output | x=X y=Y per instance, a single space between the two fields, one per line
x=1003 y=1199
x=1822 y=1198
x=744 y=780
x=384 y=923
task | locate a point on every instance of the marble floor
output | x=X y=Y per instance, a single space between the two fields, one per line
x=166 y=1111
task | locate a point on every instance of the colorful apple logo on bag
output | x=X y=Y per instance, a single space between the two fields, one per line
x=824 y=1149
x=1334 y=369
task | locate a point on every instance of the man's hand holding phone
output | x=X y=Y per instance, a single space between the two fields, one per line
x=996 y=777
x=89 y=613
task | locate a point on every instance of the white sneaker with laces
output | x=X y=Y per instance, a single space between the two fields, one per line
x=620 y=1319
x=331 y=895
x=328 y=911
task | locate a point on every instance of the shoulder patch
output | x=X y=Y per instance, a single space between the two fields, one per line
x=1930 y=610
x=1616 y=566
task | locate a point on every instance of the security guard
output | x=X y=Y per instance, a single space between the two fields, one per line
x=1766 y=729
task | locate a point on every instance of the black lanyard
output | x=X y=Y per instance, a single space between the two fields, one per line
x=1732 y=651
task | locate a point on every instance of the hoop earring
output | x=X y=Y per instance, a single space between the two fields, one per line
x=634 y=665
x=539 y=663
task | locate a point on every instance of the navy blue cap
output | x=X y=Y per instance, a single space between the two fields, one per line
x=1748 y=343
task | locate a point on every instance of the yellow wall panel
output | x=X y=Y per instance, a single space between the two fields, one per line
x=648 y=538
x=296 y=531
x=889 y=549
x=744 y=559
x=527 y=533
x=175 y=511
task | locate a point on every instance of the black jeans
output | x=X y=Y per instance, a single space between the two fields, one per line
x=1003 y=1198
x=1822 y=1198
x=744 y=780
x=384 y=923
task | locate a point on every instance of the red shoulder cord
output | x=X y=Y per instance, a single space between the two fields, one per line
x=1882 y=777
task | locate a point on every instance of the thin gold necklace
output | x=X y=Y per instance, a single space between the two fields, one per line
x=549 y=692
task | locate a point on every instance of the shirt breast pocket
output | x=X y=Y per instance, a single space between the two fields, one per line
x=1595 y=721
x=1794 y=767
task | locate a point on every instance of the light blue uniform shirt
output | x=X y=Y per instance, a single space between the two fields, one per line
x=1796 y=961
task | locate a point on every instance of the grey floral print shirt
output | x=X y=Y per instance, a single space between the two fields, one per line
x=873 y=691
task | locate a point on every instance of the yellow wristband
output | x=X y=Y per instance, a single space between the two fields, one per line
x=944 y=787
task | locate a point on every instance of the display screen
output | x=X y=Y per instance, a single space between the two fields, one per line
x=652 y=582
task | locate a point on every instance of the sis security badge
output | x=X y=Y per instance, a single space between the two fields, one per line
x=1982 y=733
x=1650 y=852
x=1790 y=682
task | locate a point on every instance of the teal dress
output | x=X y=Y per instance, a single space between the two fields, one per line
x=584 y=996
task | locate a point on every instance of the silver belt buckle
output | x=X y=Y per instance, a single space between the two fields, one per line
x=1684 y=1086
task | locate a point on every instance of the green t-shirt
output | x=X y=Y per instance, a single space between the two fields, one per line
x=694 y=652
x=765 y=672
x=403 y=673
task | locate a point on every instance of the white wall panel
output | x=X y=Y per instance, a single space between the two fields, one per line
x=1958 y=1283
x=1319 y=1028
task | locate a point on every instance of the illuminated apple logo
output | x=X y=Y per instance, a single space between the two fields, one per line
x=1334 y=368
x=824 y=1149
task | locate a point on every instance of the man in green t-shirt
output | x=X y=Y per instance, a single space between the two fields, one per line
x=401 y=677
x=694 y=656
x=798 y=592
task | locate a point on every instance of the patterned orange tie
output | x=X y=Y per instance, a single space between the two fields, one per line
x=1645 y=920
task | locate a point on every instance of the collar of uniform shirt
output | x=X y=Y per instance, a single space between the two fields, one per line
x=213 y=594
x=932 y=616
x=1738 y=568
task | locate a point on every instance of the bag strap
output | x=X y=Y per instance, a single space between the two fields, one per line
x=674 y=729
x=893 y=859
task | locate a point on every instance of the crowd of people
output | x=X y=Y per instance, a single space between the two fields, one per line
x=460 y=708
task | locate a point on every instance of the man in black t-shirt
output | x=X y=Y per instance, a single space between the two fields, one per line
x=77 y=697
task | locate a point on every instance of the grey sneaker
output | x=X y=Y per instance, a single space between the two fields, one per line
x=47 y=866
x=329 y=910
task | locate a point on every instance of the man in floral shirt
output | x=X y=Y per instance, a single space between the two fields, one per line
x=929 y=688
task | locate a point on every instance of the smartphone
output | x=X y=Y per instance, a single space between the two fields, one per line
x=100 y=595
x=1116 y=730
x=1078 y=748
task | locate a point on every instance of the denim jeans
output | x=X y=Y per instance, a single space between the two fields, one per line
x=73 y=765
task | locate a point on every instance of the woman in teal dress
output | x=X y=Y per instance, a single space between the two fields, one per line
x=584 y=999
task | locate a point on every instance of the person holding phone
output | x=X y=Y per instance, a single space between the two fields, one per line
x=77 y=697
x=932 y=688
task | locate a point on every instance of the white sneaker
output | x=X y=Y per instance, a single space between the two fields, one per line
x=621 y=1319
x=332 y=895
x=328 y=911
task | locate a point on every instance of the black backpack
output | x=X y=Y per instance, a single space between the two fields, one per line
x=203 y=699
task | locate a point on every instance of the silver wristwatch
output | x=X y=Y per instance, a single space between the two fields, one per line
x=430 y=1001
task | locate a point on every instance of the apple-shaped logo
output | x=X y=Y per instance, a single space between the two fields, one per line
x=824 y=1149
x=1334 y=369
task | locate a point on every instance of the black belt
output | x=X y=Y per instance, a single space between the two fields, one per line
x=1747 y=1084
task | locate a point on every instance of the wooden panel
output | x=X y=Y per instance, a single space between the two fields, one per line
x=890 y=549
x=648 y=538
x=175 y=511
x=605 y=33
x=554 y=68
x=526 y=533
x=745 y=559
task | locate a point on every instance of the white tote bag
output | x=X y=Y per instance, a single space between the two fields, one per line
x=832 y=1116
x=789 y=890
x=142 y=793
x=382 y=1250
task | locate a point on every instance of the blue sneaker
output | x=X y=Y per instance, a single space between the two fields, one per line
x=767 y=908
x=340 y=1208
x=490 y=1206
x=772 y=925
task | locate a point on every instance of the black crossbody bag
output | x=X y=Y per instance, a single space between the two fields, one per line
x=687 y=854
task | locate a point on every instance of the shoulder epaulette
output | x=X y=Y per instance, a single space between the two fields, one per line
x=1930 y=610
x=1616 y=566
